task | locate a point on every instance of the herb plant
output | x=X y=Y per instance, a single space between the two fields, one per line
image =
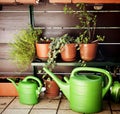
x=23 y=47
x=87 y=24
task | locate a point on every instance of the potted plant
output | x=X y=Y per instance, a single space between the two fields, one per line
x=52 y=90
x=7 y=88
x=67 y=48
x=64 y=45
x=22 y=49
x=42 y=48
x=58 y=45
x=86 y=39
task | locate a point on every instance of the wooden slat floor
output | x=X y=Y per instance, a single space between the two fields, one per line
x=60 y=105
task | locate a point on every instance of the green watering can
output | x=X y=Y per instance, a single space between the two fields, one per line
x=84 y=92
x=28 y=89
x=115 y=91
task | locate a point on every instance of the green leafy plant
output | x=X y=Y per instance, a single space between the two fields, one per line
x=23 y=47
x=55 y=49
x=87 y=24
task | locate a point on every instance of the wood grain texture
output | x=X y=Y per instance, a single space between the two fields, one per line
x=55 y=23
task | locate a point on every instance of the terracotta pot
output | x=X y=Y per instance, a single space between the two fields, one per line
x=26 y=1
x=52 y=89
x=68 y=52
x=42 y=51
x=7 y=89
x=60 y=1
x=88 y=51
x=95 y=1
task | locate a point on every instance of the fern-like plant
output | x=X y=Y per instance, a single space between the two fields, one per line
x=22 y=49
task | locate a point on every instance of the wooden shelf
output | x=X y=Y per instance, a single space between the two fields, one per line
x=18 y=1
x=109 y=62
x=102 y=64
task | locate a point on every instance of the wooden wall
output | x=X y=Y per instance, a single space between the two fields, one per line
x=55 y=23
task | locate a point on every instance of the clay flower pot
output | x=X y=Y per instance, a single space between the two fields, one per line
x=68 y=52
x=52 y=89
x=88 y=51
x=7 y=88
x=42 y=51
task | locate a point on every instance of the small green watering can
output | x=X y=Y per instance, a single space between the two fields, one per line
x=28 y=89
x=84 y=91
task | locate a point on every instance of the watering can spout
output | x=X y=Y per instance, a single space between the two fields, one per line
x=65 y=87
x=13 y=82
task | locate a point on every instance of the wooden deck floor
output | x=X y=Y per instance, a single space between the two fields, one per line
x=60 y=105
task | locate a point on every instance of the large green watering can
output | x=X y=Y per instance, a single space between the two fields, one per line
x=28 y=89
x=115 y=91
x=84 y=92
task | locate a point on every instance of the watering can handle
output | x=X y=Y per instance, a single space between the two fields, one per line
x=34 y=78
x=106 y=88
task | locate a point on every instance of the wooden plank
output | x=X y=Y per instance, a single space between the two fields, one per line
x=4 y=51
x=27 y=1
x=10 y=66
x=18 y=1
x=60 y=1
x=21 y=8
x=7 y=1
x=4 y=101
x=7 y=36
x=115 y=106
